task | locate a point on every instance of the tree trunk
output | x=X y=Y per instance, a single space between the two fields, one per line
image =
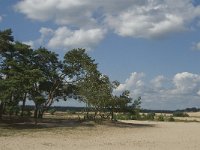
x=1 y=110
x=87 y=111
x=40 y=113
x=36 y=114
x=112 y=115
x=23 y=105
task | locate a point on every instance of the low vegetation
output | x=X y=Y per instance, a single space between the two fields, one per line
x=180 y=114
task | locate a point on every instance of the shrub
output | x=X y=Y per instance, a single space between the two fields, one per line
x=126 y=117
x=136 y=117
x=150 y=116
x=171 y=119
x=180 y=114
x=161 y=118
x=122 y=117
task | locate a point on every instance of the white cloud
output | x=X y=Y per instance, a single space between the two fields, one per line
x=154 y=19
x=134 y=18
x=186 y=83
x=62 y=12
x=181 y=91
x=63 y=37
x=134 y=82
x=158 y=82
x=76 y=12
x=46 y=34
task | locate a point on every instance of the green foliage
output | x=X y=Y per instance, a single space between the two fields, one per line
x=148 y=116
x=12 y=110
x=127 y=116
x=121 y=116
x=180 y=114
x=136 y=103
x=136 y=116
x=161 y=117
x=77 y=64
x=38 y=75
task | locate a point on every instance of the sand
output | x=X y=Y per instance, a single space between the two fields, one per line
x=143 y=135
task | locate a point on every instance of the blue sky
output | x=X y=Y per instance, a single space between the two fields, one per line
x=151 y=46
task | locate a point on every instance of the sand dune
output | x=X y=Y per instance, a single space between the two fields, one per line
x=140 y=136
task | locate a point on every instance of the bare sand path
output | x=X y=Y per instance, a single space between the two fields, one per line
x=141 y=136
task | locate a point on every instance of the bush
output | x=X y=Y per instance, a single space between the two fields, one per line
x=171 y=119
x=161 y=118
x=150 y=116
x=180 y=114
x=123 y=117
x=136 y=117
x=127 y=116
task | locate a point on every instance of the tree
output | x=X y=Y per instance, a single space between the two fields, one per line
x=78 y=65
x=25 y=72
x=94 y=89
x=39 y=75
x=6 y=55
x=135 y=108
x=49 y=84
x=96 y=92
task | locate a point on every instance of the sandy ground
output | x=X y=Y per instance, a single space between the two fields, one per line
x=137 y=136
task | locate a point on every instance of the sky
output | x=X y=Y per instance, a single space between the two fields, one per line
x=152 y=47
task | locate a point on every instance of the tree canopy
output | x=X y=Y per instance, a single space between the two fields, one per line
x=40 y=76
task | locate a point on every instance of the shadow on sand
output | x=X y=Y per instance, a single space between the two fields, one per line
x=71 y=123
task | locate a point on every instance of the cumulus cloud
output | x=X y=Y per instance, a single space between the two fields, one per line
x=186 y=83
x=134 y=82
x=46 y=34
x=66 y=38
x=154 y=19
x=134 y=18
x=181 y=91
x=62 y=12
x=76 y=12
x=159 y=82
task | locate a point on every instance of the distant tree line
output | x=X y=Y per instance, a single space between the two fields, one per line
x=40 y=76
